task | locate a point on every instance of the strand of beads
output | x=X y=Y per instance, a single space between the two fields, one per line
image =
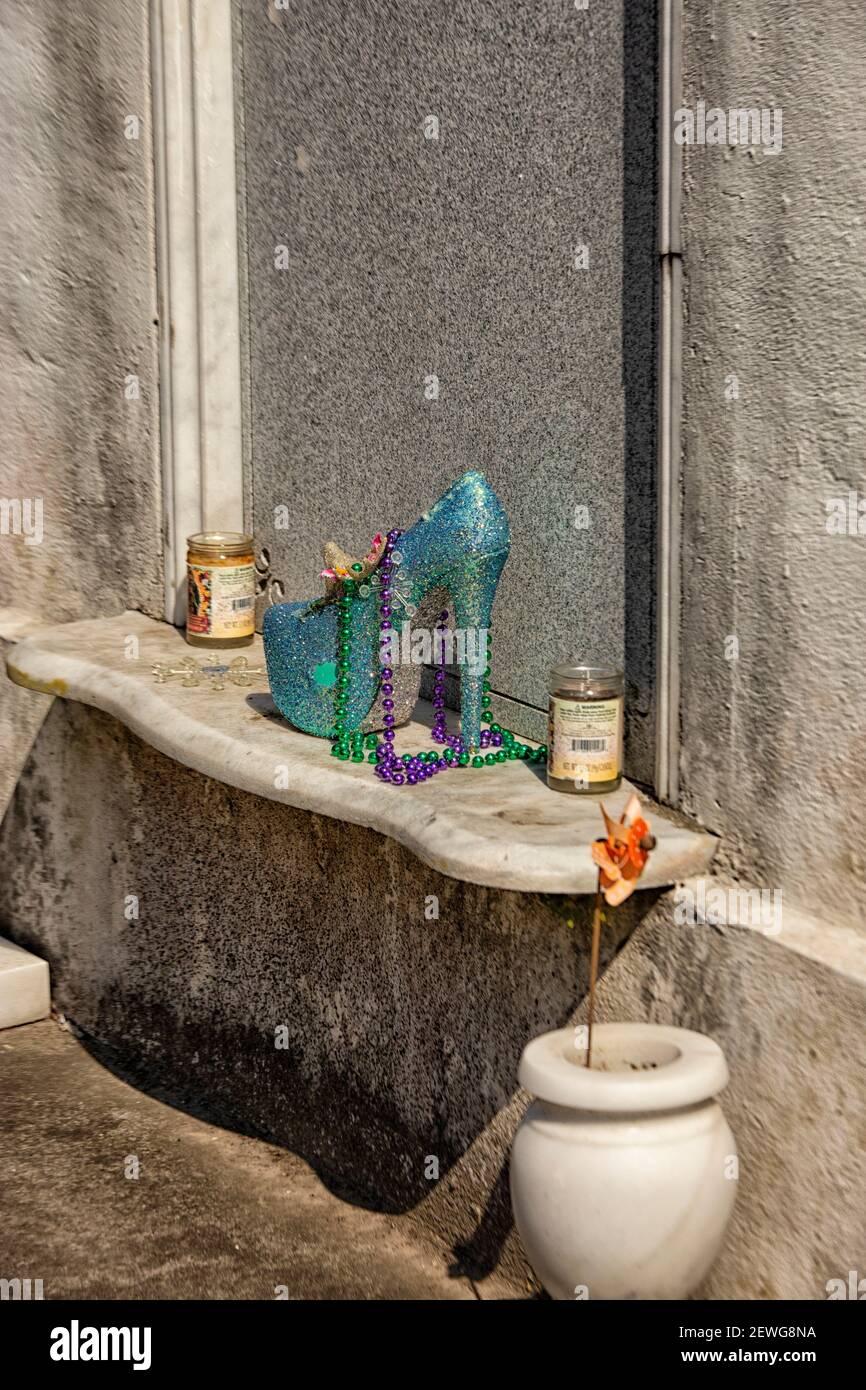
x=501 y=744
x=389 y=767
x=497 y=744
x=439 y=732
x=386 y=573
x=344 y=656
x=343 y=748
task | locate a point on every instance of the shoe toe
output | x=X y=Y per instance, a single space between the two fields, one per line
x=299 y=654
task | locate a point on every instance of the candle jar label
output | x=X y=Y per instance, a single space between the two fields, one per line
x=222 y=600
x=584 y=743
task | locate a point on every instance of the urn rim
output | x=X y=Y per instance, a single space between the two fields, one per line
x=637 y=1067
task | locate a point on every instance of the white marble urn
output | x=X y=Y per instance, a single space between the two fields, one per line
x=623 y=1175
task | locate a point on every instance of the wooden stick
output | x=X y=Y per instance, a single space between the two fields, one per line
x=593 y=966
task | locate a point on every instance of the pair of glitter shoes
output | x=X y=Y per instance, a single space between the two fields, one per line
x=326 y=656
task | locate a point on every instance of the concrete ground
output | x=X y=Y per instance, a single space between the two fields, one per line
x=212 y=1213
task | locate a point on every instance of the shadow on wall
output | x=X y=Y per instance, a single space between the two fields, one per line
x=289 y=975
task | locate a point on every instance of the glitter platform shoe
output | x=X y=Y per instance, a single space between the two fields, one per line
x=351 y=662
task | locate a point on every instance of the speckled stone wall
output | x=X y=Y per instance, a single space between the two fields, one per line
x=449 y=219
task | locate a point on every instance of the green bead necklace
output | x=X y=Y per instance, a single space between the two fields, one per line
x=353 y=746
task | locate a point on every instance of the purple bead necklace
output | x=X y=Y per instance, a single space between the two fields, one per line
x=411 y=768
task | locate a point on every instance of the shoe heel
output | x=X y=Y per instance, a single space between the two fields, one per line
x=473 y=590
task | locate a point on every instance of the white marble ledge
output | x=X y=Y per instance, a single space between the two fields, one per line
x=500 y=827
x=25 y=989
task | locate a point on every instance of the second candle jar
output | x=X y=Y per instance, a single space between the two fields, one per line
x=584 y=741
x=221 y=589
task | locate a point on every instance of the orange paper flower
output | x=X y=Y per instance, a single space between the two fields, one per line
x=622 y=855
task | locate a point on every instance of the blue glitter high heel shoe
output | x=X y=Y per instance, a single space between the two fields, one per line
x=350 y=663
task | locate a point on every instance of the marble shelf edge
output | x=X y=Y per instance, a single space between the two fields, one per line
x=515 y=835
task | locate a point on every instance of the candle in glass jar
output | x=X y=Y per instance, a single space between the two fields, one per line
x=585 y=725
x=221 y=589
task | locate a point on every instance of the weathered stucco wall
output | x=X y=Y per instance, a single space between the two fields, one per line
x=77 y=311
x=792 y=1032
x=775 y=283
